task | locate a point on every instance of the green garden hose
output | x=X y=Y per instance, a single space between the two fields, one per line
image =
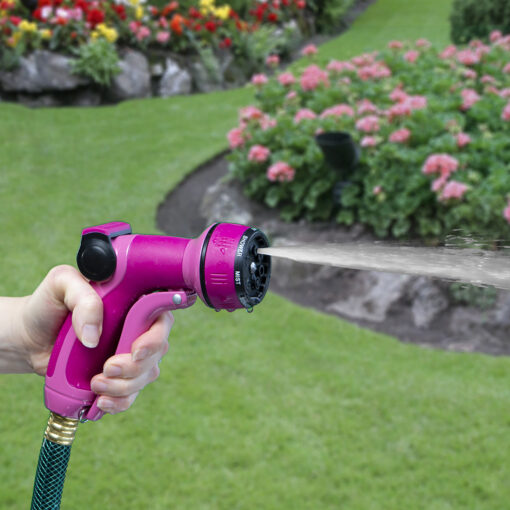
x=52 y=465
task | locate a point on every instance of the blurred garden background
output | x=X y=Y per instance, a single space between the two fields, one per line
x=283 y=408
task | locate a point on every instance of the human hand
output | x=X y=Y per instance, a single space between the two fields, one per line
x=42 y=314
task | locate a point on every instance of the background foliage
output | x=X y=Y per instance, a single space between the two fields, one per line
x=472 y=19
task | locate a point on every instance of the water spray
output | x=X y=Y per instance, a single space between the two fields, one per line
x=138 y=277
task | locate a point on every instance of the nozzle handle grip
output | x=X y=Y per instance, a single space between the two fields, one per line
x=139 y=319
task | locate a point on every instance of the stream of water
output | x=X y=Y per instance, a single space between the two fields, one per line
x=469 y=265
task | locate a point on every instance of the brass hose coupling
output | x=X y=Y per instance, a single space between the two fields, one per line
x=61 y=430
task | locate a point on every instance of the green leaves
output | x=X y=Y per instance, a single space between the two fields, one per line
x=97 y=60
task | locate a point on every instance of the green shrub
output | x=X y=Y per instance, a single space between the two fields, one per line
x=472 y=19
x=329 y=13
x=97 y=60
x=433 y=129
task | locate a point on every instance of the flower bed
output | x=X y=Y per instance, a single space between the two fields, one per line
x=433 y=127
x=94 y=33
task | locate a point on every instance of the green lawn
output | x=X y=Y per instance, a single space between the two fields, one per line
x=285 y=408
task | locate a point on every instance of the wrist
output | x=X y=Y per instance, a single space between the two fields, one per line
x=14 y=355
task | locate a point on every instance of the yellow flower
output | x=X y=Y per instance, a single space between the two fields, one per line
x=14 y=39
x=109 y=33
x=45 y=33
x=26 y=26
x=134 y=3
x=222 y=12
x=94 y=35
x=3 y=14
x=206 y=6
x=139 y=12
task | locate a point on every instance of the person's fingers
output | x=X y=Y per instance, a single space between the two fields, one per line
x=120 y=387
x=67 y=286
x=155 y=340
x=115 y=405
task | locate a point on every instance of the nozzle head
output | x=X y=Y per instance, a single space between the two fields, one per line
x=232 y=272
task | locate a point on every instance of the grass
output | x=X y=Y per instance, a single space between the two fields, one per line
x=286 y=408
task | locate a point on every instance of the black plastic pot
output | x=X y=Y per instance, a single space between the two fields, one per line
x=340 y=151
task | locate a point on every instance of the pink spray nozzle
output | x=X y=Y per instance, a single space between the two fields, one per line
x=222 y=266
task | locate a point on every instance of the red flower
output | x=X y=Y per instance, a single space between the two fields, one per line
x=226 y=43
x=300 y=4
x=15 y=20
x=176 y=24
x=120 y=10
x=74 y=35
x=154 y=10
x=211 y=26
x=194 y=13
x=197 y=27
x=272 y=17
x=94 y=17
x=61 y=21
x=168 y=9
x=44 y=3
x=80 y=4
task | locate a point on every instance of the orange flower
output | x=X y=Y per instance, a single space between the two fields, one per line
x=172 y=6
x=176 y=24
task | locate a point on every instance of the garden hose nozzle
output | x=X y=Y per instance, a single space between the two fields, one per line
x=138 y=277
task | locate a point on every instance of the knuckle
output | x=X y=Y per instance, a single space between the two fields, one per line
x=153 y=373
x=56 y=273
x=123 y=404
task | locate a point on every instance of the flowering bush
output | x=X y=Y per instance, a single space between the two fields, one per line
x=433 y=127
x=65 y=25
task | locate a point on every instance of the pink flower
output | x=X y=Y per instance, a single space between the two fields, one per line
x=505 y=114
x=291 y=95
x=338 y=66
x=487 y=78
x=423 y=43
x=417 y=102
x=463 y=139
x=369 y=124
x=368 y=141
x=374 y=71
x=468 y=57
x=491 y=89
x=162 y=37
x=338 y=111
x=398 y=95
x=376 y=190
x=395 y=45
x=469 y=74
x=448 y=52
x=439 y=183
x=250 y=113
x=142 y=33
x=304 y=113
x=469 y=98
x=344 y=81
x=259 y=154
x=266 y=122
x=236 y=138
x=312 y=77
x=506 y=69
x=453 y=189
x=444 y=164
x=309 y=50
x=286 y=79
x=366 y=106
x=259 y=80
x=273 y=61
x=400 y=136
x=505 y=93
x=495 y=35
x=281 y=172
x=399 y=110
x=506 y=212
x=366 y=59
x=411 y=56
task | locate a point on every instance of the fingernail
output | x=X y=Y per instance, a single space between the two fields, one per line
x=112 y=370
x=90 y=335
x=140 y=354
x=105 y=404
x=99 y=386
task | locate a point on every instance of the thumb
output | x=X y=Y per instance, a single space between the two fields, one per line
x=70 y=288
